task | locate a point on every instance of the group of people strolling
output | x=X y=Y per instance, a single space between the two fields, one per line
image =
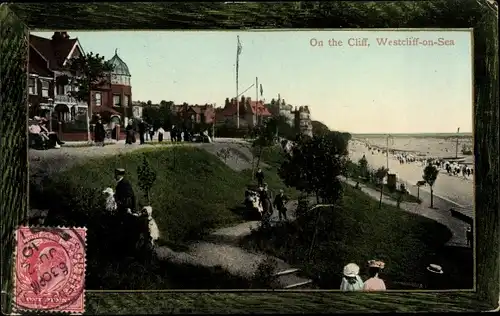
x=351 y=281
x=265 y=198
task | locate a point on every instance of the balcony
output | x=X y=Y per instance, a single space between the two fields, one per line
x=66 y=99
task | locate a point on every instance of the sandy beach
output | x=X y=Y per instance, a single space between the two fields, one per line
x=456 y=189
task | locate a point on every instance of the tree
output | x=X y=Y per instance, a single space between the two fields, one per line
x=89 y=72
x=363 y=166
x=315 y=164
x=147 y=177
x=319 y=128
x=380 y=174
x=430 y=175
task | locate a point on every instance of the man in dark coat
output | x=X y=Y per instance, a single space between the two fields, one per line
x=99 y=131
x=279 y=202
x=142 y=131
x=125 y=202
x=260 y=177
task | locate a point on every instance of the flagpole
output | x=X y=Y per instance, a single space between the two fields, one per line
x=257 y=99
x=237 y=69
x=456 y=145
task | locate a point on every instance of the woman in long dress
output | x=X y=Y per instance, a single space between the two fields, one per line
x=374 y=283
x=99 y=131
x=130 y=133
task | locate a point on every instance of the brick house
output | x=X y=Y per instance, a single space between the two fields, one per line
x=49 y=87
x=251 y=113
x=200 y=114
x=114 y=100
x=46 y=61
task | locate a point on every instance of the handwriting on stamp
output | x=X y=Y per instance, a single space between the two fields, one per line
x=50 y=269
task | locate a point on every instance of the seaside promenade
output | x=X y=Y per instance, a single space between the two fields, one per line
x=454 y=189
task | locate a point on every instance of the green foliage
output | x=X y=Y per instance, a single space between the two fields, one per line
x=319 y=128
x=363 y=166
x=315 y=164
x=89 y=73
x=430 y=174
x=147 y=177
x=356 y=231
x=264 y=277
x=224 y=154
x=380 y=174
x=161 y=115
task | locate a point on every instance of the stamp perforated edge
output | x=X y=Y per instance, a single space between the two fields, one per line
x=18 y=311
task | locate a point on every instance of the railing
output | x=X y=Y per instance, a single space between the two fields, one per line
x=67 y=99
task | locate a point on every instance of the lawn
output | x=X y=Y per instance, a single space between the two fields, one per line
x=194 y=192
x=355 y=231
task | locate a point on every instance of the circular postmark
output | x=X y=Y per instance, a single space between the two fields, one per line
x=50 y=269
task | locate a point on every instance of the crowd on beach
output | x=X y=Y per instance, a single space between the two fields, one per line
x=451 y=166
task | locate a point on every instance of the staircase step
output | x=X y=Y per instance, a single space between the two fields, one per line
x=285 y=272
x=296 y=285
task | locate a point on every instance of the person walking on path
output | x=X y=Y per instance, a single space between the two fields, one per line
x=468 y=235
x=260 y=177
x=279 y=202
x=151 y=133
x=99 y=131
x=374 y=283
x=129 y=133
x=160 y=134
x=351 y=281
x=142 y=130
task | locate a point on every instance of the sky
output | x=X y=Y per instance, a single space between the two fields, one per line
x=368 y=83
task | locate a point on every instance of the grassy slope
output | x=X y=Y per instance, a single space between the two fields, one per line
x=357 y=231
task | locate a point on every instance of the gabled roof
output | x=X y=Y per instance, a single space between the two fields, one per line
x=33 y=68
x=55 y=52
x=255 y=107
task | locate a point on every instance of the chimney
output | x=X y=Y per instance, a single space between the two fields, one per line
x=59 y=36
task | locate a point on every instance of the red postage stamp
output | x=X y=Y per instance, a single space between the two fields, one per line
x=49 y=269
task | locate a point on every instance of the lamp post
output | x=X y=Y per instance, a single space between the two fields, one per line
x=51 y=108
x=316 y=225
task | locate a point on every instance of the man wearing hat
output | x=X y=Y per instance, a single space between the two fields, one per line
x=125 y=202
x=279 y=202
x=124 y=193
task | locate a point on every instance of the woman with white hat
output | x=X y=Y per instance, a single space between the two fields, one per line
x=374 y=283
x=351 y=281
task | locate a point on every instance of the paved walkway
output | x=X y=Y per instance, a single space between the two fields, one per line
x=228 y=255
x=441 y=215
x=453 y=188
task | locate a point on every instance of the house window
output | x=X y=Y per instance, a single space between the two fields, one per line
x=45 y=89
x=60 y=90
x=126 y=101
x=116 y=100
x=32 y=86
x=98 y=98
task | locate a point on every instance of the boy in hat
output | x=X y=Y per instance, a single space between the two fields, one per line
x=260 y=177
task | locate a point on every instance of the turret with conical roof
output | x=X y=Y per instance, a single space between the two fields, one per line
x=120 y=74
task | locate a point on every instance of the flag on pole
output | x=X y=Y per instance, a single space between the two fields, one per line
x=261 y=91
x=239 y=48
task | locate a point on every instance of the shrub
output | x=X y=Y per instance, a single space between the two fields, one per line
x=264 y=277
x=355 y=231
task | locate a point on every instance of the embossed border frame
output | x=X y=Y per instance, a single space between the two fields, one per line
x=15 y=20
